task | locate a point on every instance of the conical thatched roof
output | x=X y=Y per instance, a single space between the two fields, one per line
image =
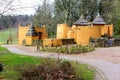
x=81 y=21
x=31 y=31
x=98 y=20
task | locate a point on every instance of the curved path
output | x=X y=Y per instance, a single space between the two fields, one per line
x=107 y=70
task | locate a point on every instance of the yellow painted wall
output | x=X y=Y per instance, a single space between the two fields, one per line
x=84 y=33
x=28 y=40
x=22 y=30
x=56 y=42
x=43 y=30
x=52 y=42
x=72 y=32
x=104 y=29
x=22 y=33
x=62 y=30
x=47 y=42
x=81 y=34
x=110 y=30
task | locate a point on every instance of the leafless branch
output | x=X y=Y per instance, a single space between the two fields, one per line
x=5 y=6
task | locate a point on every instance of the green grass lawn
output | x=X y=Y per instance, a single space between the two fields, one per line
x=12 y=61
x=5 y=34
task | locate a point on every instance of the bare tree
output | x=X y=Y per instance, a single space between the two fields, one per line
x=44 y=16
x=67 y=10
x=6 y=6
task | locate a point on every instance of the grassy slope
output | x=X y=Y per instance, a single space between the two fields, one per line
x=5 y=34
x=10 y=61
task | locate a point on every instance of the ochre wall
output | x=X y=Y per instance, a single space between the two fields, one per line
x=43 y=30
x=62 y=30
x=72 y=33
x=28 y=40
x=22 y=33
x=85 y=32
x=104 y=29
x=22 y=30
x=110 y=28
x=82 y=34
x=52 y=42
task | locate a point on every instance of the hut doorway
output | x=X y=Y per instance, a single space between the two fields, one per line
x=40 y=35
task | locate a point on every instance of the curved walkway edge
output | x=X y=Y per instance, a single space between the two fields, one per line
x=106 y=70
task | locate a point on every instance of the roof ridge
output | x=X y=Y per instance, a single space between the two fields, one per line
x=98 y=20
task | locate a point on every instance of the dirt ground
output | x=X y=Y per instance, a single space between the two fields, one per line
x=111 y=54
x=102 y=59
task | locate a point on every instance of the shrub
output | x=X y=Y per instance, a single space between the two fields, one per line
x=71 y=49
x=1 y=67
x=49 y=70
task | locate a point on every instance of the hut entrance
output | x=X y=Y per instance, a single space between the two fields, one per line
x=108 y=31
x=40 y=35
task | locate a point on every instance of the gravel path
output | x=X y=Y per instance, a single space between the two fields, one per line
x=109 y=69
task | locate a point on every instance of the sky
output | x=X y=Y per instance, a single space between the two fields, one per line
x=27 y=6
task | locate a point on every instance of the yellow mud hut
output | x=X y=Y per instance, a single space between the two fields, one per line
x=28 y=34
x=82 y=31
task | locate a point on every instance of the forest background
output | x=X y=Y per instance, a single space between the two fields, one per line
x=62 y=11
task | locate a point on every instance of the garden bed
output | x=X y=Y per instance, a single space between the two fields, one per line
x=71 y=49
x=12 y=62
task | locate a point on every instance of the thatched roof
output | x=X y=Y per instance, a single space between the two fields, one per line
x=31 y=31
x=81 y=21
x=98 y=20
